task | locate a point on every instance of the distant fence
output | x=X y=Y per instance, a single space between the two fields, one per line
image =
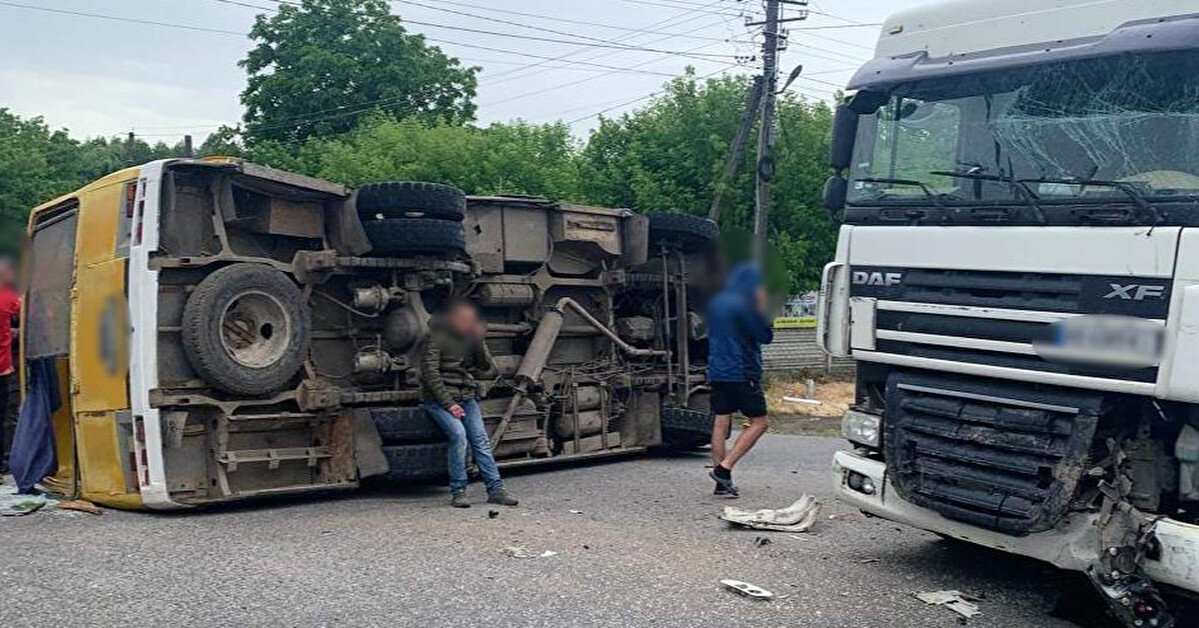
x=796 y=350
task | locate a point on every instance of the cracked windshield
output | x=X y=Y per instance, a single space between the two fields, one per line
x=1076 y=131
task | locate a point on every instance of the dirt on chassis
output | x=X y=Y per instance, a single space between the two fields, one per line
x=275 y=318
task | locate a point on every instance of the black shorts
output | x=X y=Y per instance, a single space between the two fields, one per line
x=746 y=397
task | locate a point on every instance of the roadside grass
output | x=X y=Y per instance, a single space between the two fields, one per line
x=835 y=395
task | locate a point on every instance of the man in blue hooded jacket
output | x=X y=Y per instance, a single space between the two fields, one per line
x=737 y=328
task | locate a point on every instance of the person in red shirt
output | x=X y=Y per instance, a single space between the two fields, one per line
x=10 y=307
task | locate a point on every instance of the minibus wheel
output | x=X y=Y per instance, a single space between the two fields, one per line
x=683 y=231
x=246 y=329
x=411 y=199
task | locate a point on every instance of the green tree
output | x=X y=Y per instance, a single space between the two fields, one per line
x=321 y=67
x=669 y=155
x=516 y=158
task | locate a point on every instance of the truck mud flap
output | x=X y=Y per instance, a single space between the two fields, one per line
x=1001 y=456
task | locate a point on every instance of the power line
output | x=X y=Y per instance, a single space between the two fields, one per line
x=647 y=31
x=688 y=6
x=508 y=22
x=115 y=18
x=636 y=100
x=681 y=18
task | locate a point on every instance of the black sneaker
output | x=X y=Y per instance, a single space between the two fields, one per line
x=720 y=490
x=725 y=482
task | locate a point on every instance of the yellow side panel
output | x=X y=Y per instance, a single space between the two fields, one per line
x=64 y=480
x=99 y=214
x=101 y=338
x=102 y=461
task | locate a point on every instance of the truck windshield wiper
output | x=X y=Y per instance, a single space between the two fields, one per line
x=1147 y=210
x=1021 y=188
x=932 y=198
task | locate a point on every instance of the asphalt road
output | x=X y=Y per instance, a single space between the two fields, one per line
x=647 y=550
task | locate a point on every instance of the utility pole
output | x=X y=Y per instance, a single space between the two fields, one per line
x=188 y=150
x=737 y=150
x=765 y=169
x=761 y=107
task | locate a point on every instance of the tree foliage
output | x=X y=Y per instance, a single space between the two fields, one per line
x=669 y=156
x=38 y=164
x=321 y=67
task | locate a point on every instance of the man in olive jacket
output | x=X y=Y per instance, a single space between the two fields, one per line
x=453 y=360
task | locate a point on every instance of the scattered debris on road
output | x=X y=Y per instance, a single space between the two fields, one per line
x=797 y=517
x=747 y=589
x=13 y=504
x=492 y=514
x=759 y=541
x=520 y=552
x=955 y=601
x=81 y=505
x=576 y=512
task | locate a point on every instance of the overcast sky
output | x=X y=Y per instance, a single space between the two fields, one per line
x=107 y=77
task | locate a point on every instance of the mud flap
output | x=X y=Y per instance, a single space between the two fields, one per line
x=368 y=446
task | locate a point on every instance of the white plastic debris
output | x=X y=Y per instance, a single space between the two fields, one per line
x=953 y=600
x=801 y=400
x=797 y=517
x=747 y=589
x=520 y=552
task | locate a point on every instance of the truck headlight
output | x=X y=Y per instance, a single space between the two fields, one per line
x=862 y=428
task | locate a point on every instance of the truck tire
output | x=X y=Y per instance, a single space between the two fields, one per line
x=417 y=463
x=246 y=329
x=404 y=425
x=682 y=231
x=684 y=429
x=402 y=237
x=408 y=199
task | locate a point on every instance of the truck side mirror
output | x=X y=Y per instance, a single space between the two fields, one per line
x=845 y=131
x=835 y=191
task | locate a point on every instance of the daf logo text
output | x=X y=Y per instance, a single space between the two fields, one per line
x=863 y=278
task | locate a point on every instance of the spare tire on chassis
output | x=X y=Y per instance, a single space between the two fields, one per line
x=409 y=199
x=246 y=329
x=417 y=463
x=407 y=236
x=685 y=429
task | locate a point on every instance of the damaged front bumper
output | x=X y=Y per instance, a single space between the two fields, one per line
x=1073 y=544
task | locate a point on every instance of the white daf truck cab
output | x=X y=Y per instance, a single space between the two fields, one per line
x=1017 y=277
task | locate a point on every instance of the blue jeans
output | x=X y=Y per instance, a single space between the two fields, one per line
x=467 y=431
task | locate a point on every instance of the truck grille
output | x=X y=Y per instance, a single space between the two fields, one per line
x=993 y=319
x=993 y=454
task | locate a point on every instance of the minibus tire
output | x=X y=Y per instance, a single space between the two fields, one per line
x=400 y=425
x=409 y=236
x=231 y=329
x=684 y=429
x=411 y=199
x=411 y=463
x=682 y=231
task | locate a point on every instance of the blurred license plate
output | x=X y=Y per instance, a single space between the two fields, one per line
x=1104 y=340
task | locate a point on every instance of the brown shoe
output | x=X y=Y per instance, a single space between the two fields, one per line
x=502 y=498
x=458 y=500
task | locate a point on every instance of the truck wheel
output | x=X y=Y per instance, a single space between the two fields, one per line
x=412 y=463
x=408 y=199
x=246 y=329
x=406 y=425
x=400 y=237
x=681 y=231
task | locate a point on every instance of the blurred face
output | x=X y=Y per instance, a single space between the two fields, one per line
x=8 y=273
x=464 y=320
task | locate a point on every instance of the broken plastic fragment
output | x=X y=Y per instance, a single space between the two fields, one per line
x=797 y=517
x=953 y=600
x=747 y=589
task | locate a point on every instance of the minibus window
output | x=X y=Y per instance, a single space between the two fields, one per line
x=52 y=260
